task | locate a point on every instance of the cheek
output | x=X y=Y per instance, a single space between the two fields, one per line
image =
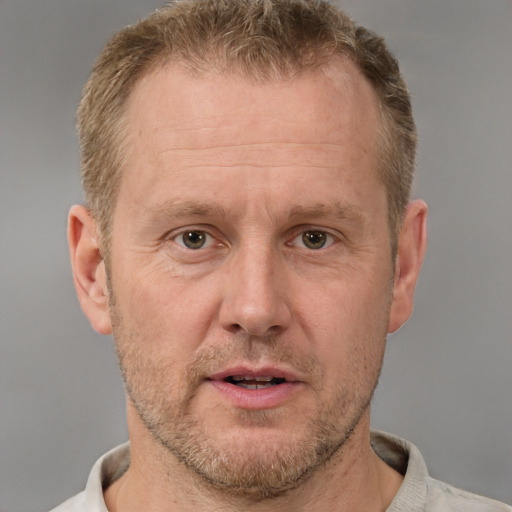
x=164 y=309
x=348 y=300
x=348 y=321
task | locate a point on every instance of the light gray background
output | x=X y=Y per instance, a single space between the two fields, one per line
x=447 y=378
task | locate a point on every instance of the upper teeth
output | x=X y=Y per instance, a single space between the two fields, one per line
x=239 y=378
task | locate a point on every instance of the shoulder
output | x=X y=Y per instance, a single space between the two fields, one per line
x=419 y=491
x=75 y=504
x=444 y=497
x=105 y=471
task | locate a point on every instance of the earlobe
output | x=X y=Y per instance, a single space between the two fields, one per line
x=88 y=268
x=412 y=245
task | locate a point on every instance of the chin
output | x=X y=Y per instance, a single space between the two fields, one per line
x=256 y=462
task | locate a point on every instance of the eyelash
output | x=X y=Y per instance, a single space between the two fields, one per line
x=323 y=237
x=178 y=238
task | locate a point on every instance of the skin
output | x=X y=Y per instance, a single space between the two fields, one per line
x=250 y=168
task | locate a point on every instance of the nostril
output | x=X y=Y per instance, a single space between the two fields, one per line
x=235 y=328
x=238 y=329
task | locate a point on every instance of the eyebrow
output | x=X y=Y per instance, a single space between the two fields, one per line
x=172 y=210
x=338 y=210
x=176 y=209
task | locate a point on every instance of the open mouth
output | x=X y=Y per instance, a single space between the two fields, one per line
x=248 y=382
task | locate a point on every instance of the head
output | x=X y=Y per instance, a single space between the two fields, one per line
x=262 y=41
x=247 y=180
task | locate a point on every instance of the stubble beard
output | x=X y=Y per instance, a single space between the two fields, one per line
x=256 y=470
x=238 y=466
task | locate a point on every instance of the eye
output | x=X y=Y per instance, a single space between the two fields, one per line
x=193 y=239
x=314 y=239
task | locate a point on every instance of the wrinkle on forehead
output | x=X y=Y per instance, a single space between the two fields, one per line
x=199 y=113
x=257 y=155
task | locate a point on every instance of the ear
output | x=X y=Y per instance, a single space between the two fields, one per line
x=412 y=244
x=88 y=267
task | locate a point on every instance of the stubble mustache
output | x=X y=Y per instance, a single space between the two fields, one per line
x=270 y=350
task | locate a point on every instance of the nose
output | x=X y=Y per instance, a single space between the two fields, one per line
x=254 y=299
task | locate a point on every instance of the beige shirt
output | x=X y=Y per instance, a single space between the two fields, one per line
x=418 y=492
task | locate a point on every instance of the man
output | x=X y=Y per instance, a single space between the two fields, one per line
x=249 y=241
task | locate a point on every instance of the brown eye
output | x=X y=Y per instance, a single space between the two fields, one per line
x=314 y=239
x=192 y=239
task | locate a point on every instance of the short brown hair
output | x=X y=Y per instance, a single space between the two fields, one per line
x=264 y=40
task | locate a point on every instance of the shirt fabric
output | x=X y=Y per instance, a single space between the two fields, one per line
x=418 y=493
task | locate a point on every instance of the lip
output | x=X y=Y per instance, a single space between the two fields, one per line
x=264 y=371
x=256 y=399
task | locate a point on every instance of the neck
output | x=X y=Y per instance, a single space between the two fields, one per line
x=355 y=479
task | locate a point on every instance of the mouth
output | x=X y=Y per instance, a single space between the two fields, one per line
x=256 y=388
x=254 y=382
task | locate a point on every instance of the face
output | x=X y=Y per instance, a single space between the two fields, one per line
x=251 y=275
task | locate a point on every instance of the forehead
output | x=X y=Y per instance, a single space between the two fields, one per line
x=190 y=134
x=315 y=108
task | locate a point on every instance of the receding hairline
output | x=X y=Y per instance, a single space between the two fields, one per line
x=335 y=68
x=261 y=40
x=340 y=73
